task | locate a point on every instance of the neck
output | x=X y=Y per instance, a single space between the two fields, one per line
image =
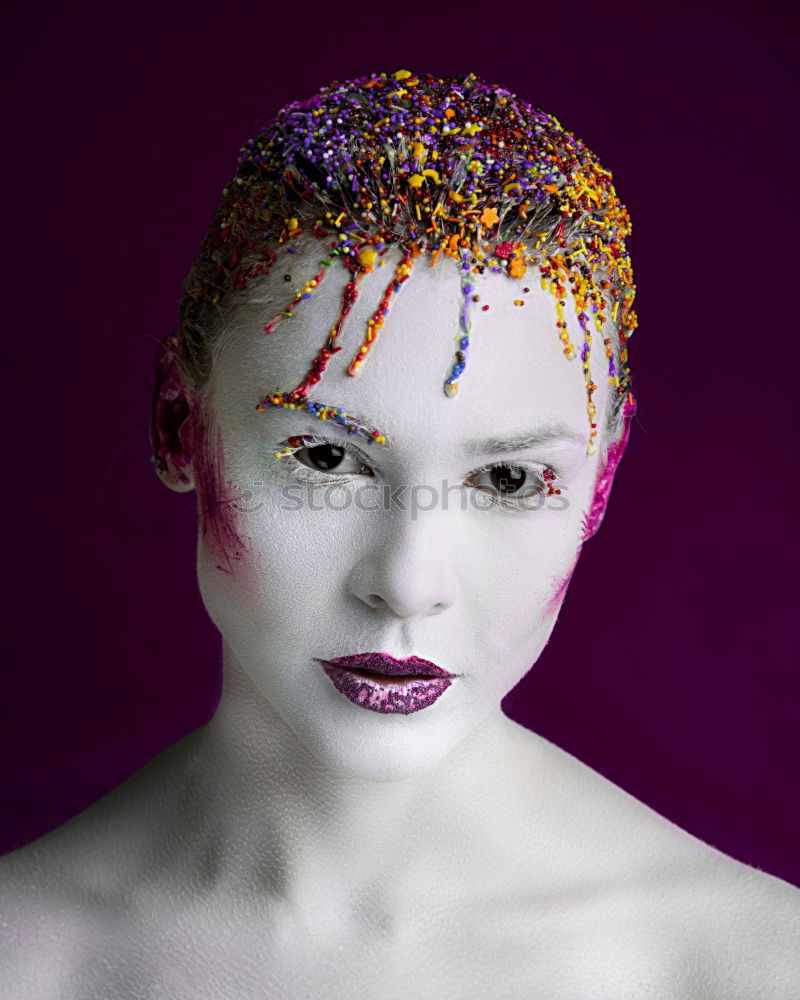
x=285 y=826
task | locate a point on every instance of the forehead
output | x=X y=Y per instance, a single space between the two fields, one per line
x=516 y=378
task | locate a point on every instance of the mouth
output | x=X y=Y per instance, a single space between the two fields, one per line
x=384 y=665
x=383 y=678
x=382 y=683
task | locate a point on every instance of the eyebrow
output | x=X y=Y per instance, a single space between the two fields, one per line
x=547 y=434
x=364 y=427
x=552 y=433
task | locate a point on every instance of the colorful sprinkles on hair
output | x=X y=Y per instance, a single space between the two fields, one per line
x=440 y=168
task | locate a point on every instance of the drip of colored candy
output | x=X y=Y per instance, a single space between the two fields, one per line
x=378 y=318
x=464 y=321
x=447 y=168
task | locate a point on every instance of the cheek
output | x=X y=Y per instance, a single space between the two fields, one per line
x=559 y=589
x=523 y=579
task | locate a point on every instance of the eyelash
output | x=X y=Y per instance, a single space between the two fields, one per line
x=508 y=502
x=305 y=474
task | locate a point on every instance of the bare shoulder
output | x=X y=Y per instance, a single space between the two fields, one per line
x=71 y=899
x=749 y=924
x=74 y=885
x=101 y=846
x=716 y=928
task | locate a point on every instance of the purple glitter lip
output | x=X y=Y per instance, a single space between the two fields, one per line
x=365 y=680
x=383 y=663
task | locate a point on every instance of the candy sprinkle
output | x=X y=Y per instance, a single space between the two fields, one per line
x=440 y=168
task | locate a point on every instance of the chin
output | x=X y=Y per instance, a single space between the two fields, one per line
x=386 y=748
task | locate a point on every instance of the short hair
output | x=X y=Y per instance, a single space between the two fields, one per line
x=450 y=167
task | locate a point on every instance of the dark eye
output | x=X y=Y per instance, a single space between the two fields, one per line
x=325 y=457
x=509 y=481
x=508 y=478
x=329 y=458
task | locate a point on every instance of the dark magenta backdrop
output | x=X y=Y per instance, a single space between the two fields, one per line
x=673 y=669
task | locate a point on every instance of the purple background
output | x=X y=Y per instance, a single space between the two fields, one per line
x=673 y=670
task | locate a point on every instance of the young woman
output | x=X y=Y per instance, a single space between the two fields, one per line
x=400 y=390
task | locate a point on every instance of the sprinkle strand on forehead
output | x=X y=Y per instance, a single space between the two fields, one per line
x=378 y=318
x=465 y=323
x=452 y=169
x=300 y=296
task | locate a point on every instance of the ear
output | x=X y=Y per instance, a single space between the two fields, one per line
x=605 y=476
x=171 y=420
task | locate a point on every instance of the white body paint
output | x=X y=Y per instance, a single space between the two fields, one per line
x=301 y=846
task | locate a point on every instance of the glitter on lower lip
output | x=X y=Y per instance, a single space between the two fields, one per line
x=388 y=696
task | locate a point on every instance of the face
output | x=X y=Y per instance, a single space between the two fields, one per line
x=412 y=548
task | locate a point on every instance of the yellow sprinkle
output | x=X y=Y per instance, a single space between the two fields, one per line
x=434 y=174
x=367 y=257
x=415 y=180
x=402 y=74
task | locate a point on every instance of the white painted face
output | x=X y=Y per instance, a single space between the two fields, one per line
x=289 y=572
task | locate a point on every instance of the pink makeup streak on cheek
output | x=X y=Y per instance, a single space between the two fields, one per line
x=561 y=584
x=220 y=521
x=602 y=488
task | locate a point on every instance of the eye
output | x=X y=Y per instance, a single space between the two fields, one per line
x=508 y=479
x=325 y=457
x=512 y=485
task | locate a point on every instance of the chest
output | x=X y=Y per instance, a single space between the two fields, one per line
x=550 y=951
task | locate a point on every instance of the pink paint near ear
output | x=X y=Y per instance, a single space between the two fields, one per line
x=602 y=488
x=217 y=511
x=190 y=436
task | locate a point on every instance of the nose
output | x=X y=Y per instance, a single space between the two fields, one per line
x=409 y=571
